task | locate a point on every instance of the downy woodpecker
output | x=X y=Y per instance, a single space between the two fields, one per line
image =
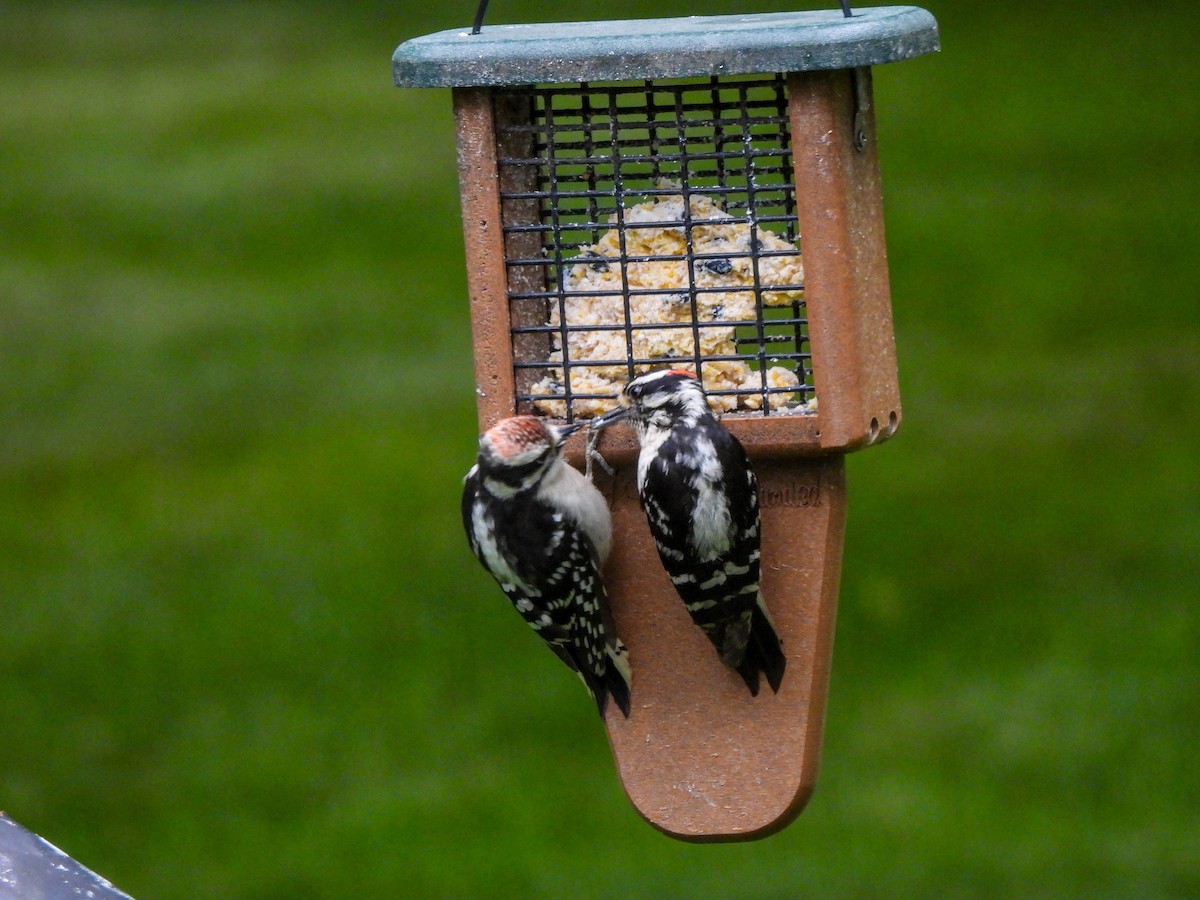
x=543 y=531
x=700 y=497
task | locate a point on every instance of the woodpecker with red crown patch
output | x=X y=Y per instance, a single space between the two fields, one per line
x=543 y=531
x=700 y=497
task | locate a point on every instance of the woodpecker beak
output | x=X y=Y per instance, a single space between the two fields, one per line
x=609 y=418
x=565 y=431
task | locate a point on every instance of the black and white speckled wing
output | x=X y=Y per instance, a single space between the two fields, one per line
x=722 y=581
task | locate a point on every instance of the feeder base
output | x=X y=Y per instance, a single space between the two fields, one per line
x=700 y=758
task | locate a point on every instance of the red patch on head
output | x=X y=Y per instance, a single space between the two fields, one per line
x=512 y=437
x=681 y=372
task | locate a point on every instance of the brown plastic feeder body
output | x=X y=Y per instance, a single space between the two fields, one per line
x=699 y=757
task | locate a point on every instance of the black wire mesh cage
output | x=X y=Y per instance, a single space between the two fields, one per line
x=651 y=224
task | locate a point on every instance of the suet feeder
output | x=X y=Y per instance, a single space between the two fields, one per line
x=697 y=193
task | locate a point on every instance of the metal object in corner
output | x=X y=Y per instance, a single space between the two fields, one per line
x=32 y=868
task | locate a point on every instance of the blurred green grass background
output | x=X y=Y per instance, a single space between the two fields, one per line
x=244 y=651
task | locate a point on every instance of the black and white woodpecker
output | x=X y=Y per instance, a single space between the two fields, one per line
x=700 y=497
x=543 y=531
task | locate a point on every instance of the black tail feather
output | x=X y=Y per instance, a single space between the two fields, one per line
x=763 y=654
x=615 y=686
x=618 y=689
x=749 y=672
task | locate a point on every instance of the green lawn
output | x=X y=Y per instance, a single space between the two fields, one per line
x=244 y=651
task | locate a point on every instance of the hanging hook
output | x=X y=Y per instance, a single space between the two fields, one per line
x=862 y=102
x=479 y=13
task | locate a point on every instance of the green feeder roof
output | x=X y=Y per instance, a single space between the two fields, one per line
x=690 y=47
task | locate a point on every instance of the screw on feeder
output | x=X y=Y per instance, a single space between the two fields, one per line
x=639 y=195
x=862 y=107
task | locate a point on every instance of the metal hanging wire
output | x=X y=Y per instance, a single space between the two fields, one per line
x=481 y=11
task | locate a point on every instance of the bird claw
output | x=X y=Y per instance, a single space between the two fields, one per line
x=591 y=453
